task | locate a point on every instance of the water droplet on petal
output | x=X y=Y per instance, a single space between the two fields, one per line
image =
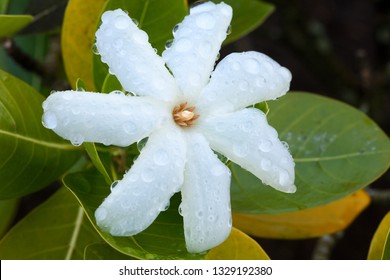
x=217 y=170
x=121 y=22
x=77 y=140
x=161 y=157
x=168 y=44
x=117 y=92
x=265 y=164
x=240 y=150
x=252 y=66
x=49 y=120
x=246 y=126
x=95 y=49
x=198 y=3
x=183 y=45
x=141 y=144
x=140 y=37
x=113 y=185
x=166 y=207
x=148 y=175
x=265 y=145
x=175 y=29
x=284 y=178
x=130 y=128
x=205 y=21
x=180 y=210
x=199 y=214
x=135 y=21
x=229 y=30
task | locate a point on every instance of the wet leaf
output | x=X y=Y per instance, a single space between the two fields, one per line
x=57 y=229
x=238 y=246
x=380 y=243
x=102 y=251
x=313 y=222
x=337 y=150
x=31 y=156
x=8 y=210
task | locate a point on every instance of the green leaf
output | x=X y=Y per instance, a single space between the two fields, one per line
x=31 y=156
x=337 y=150
x=8 y=210
x=57 y=229
x=102 y=251
x=156 y=17
x=94 y=156
x=164 y=239
x=247 y=16
x=380 y=243
x=11 y=24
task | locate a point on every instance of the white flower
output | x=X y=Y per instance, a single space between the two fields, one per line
x=186 y=115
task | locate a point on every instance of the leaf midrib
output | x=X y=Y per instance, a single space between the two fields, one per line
x=39 y=142
x=338 y=157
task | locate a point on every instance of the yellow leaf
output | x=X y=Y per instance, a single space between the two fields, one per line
x=379 y=242
x=307 y=223
x=238 y=246
x=78 y=36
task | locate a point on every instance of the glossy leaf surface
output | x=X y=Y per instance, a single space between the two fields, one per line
x=57 y=229
x=31 y=156
x=10 y=24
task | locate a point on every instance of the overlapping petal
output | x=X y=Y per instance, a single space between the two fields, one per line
x=191 y=57
x=145 y=190
x=205 y=197
x=246 y=138
x=243 y=79
x=111 y=119
x=131 y=58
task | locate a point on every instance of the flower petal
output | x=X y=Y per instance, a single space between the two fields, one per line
x=205 y=197
x=243 y=79
x=111 y=119
x=145 y=190
x=126 y=50
x=192 y=55
x=246 y=138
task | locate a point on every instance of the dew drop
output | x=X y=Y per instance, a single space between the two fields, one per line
x=229 y=30
x=240 y=150
x=141 y=144
x=180 y=210
x=113 y=185
x=49 y=120
x=68 y=95
x=218 y=56
x=118 y=43
x=285 y=144
x=183 y=45
x=129 y=127
x=77 y=140
x=205 y=21
x=246 y=126
x=175 y=29
x=221 y=157
x=75 y=110
x=198 y=3
x=95 y=49
x=117 y=92
x=265 y=164
x=204 y=49
x=211 y=218
x=252 y=66
x=140 y=37
x=101 y=214
x=265 y=145
x=199 y=214
x=121 y=22
x=168 y=44
x=161 y=157
x=236 y=66
x=166 y=207
x=244 y=85
x=284 y=178
x=148 y=175
x=135 y=21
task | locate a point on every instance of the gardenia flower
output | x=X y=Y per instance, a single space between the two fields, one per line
x=186 y=115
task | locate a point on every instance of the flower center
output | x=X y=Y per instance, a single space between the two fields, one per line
x=183 y=115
